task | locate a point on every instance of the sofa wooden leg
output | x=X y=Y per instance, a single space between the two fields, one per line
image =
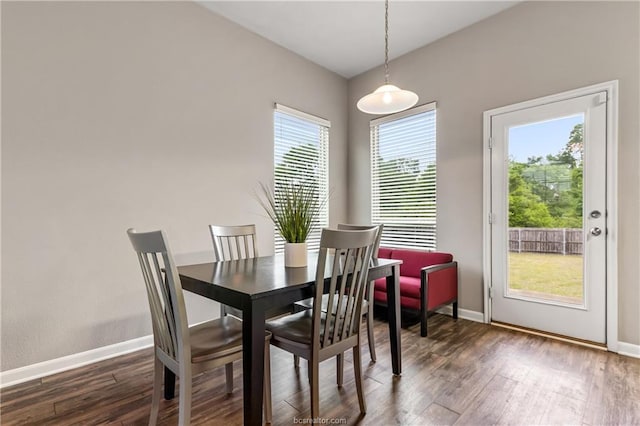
x=423 y=322
x=455 y=310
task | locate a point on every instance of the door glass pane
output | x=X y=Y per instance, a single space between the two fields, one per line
x=545 y=259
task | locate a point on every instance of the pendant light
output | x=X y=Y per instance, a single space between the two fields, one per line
x=387 y=98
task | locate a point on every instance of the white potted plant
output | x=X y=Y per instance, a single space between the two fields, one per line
x=294 y=210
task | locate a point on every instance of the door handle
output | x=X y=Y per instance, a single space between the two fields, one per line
x=596 y=231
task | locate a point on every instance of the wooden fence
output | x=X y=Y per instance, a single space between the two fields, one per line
x=545 y=240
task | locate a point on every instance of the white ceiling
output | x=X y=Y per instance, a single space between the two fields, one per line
x=347 y=37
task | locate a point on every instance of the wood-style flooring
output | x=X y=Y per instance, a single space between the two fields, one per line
x=462 y=373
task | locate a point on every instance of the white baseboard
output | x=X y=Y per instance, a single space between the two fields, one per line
x=629 y=349
x=463 y=313
x=624 y=348
x=46 y=368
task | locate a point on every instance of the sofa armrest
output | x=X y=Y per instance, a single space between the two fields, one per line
x=429 y=269
x=439 y=284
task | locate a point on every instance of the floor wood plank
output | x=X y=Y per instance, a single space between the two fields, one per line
x=462 y=373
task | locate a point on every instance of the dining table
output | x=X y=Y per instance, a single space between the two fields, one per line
x=261 y=287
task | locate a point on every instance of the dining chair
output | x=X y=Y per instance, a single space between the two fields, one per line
x=367 y=308
x=317 y=335
x=233 y=243
x=186 y=351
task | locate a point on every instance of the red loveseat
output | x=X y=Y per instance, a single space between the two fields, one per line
x=428 y=280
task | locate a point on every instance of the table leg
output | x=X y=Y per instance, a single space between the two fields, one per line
x=169 y=384
x=253 y=364
x=393 y=312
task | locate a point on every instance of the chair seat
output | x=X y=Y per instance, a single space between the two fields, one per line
x=216 y=338
x=308 y=303
x=296 y=328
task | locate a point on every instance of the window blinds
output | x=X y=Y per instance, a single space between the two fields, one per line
x=301 y=154
x=403 y=177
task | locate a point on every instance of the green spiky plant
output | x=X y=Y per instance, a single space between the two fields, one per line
x=293 y=208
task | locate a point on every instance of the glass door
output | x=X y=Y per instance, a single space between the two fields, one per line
x=548 y=182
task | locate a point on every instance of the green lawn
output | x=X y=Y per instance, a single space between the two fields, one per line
x=551 y=274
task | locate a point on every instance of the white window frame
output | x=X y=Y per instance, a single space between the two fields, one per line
x=313 y=241
x=396 y=237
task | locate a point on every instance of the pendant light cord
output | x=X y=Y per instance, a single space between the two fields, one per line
x=386 y=42
x=387 y=99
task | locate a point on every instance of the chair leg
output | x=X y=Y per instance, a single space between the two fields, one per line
x=267 y=383
x=455 y=310
x=296 y=361
x=158 y=370
x=184 y=409
x=370 y=338
x=357 y=368
x=315 y=388
x=339 y=369
x=228 y=368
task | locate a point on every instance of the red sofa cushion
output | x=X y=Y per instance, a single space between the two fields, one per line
x=405 y=302
x=414 y=260
x=409 y=286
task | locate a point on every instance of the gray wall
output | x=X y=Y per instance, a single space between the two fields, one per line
x=151 y=115
x=531 y=50
x=160 y=115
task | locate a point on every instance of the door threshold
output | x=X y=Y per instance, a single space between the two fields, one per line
x=580 y=342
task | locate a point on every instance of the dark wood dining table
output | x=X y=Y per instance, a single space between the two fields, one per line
x=259 y=287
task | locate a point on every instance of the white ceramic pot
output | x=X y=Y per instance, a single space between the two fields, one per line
x=295 y=255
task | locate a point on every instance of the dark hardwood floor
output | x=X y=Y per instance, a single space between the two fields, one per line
x=463 y=373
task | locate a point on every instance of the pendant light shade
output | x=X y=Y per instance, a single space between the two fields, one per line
x=387 y=98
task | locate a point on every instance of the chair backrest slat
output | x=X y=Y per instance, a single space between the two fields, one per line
x=169 y=309
x=164 y=293
x=155 y=304
x=234 y=242
x=349 y=268
x=345 y=290
x=376 y=246
x=335 y=272
x=355 y=257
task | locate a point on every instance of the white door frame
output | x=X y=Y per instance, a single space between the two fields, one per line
x=611 y=87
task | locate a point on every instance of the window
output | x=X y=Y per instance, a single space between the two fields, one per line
x=403 y=177
x=301 y=153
